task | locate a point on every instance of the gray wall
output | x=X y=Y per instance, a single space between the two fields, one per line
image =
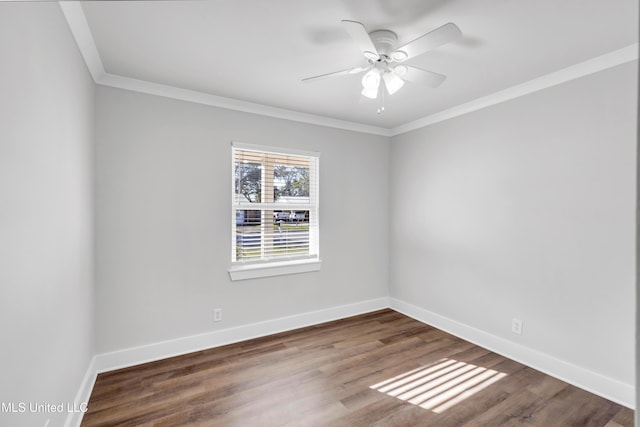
x=46 y=143
x=527 y=209
x=164 y=212
x=637 y=420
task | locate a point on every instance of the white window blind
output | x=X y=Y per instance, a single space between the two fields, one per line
x=275 y=205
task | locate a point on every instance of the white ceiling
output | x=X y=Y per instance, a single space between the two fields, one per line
x=258 y=51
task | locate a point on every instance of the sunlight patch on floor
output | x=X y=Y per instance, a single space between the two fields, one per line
x=440 y=386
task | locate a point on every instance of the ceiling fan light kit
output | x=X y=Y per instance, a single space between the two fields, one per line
x=400 y=70
x=382 y=55
x=371 y=79
x=392 y=82
x=371 y=93
x=399 y=55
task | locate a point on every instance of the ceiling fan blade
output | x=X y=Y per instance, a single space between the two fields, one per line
x=359 y=34
x=426 y=42
x=348 y=71
x=423 y=77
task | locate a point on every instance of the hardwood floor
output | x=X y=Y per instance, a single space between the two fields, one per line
x=376 y=369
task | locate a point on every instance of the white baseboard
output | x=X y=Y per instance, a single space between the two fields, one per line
x=82 y=397
x=586 y=379
x=599 y=384
x=162 y=350
x=148 y=353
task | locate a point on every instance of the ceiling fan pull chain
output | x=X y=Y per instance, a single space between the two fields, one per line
x=381 y=105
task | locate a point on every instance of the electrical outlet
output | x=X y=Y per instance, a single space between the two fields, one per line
x=516 y=326
x=217 y=314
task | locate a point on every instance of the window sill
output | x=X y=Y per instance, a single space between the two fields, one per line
x=254 y=271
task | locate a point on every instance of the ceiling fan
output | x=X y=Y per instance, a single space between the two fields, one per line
x=384 y=59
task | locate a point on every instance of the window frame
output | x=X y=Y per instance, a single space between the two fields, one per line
x=242 y=270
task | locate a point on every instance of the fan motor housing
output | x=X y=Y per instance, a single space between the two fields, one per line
x=384 y=41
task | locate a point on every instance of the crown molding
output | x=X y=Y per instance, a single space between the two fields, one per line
x=77 y=22
x=81 y=32
x=573 y=72
x=79 y=27
x=158 y=89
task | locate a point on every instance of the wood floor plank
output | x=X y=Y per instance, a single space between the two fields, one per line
x=376 y=369
x=624 y=417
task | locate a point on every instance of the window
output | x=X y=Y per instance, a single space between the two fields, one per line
x=274 y=211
